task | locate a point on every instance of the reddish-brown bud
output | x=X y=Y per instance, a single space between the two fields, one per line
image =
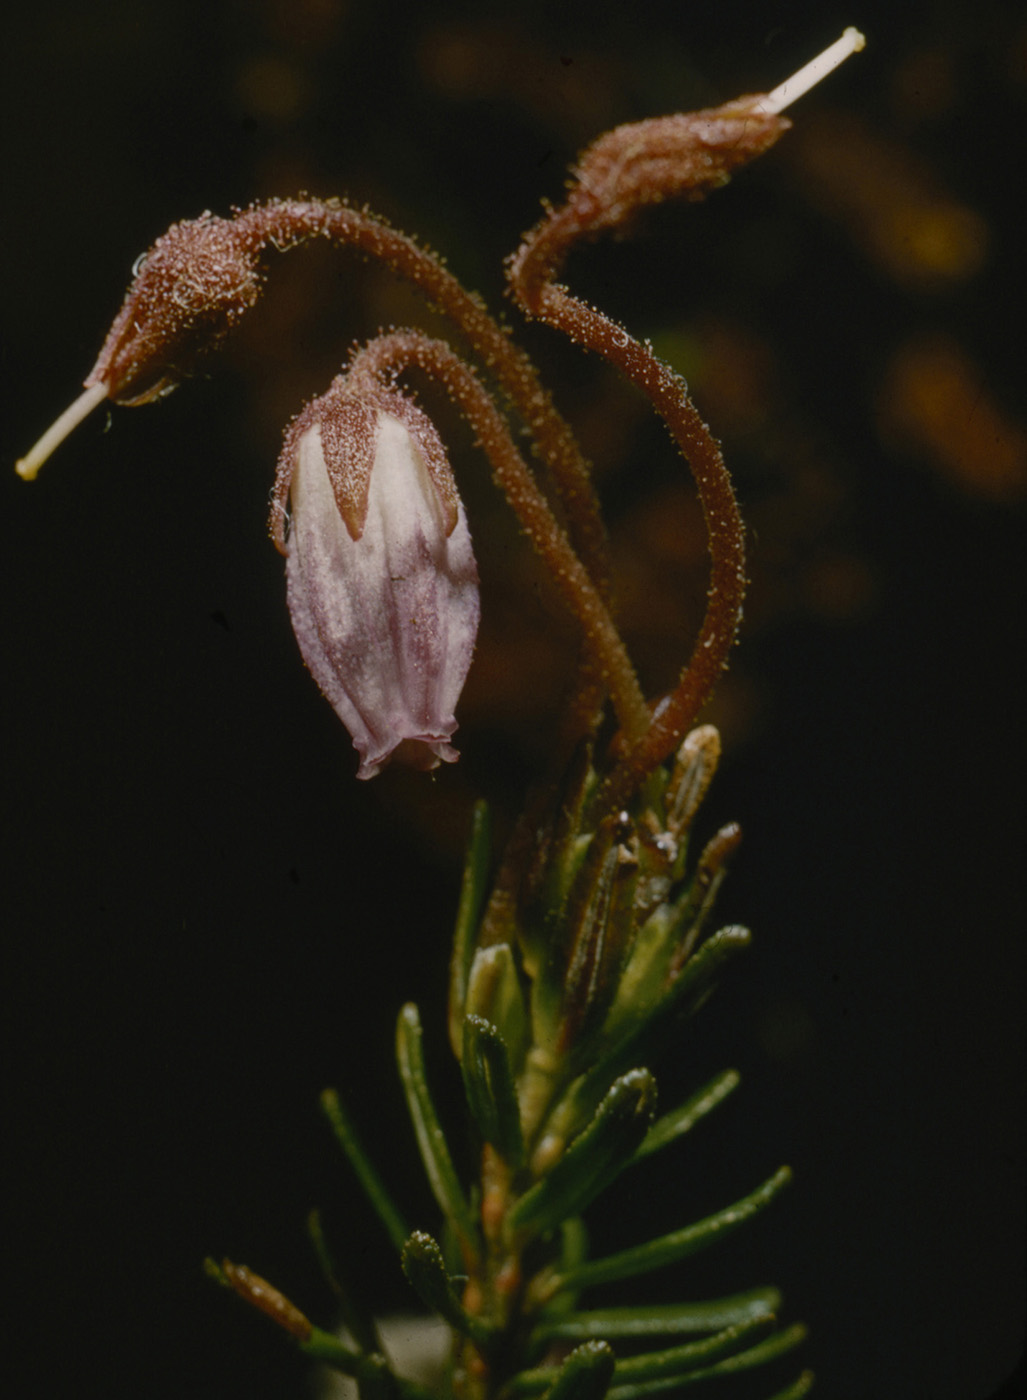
x=263 y=1295
x=189 y=290
x=688 y=155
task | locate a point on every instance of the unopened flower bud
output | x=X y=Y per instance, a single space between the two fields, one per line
x=691 y=153
x=262 y=1295
x=186 y=294
x=647 y=162
x=382 y=582
x=189 y=290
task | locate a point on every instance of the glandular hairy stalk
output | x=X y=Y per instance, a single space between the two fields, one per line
x=575 y=964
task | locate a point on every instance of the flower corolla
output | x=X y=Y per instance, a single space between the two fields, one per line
x=382 y=581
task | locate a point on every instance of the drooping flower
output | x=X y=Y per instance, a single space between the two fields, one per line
x=382 y=581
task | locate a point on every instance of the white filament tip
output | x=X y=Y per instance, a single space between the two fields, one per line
x=801 y=82
x=59 y=430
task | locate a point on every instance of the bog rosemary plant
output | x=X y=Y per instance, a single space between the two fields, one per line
x=576 y=959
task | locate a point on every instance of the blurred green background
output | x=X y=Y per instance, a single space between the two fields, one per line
x=205 y=918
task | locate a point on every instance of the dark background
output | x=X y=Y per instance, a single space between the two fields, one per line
x=206 y=920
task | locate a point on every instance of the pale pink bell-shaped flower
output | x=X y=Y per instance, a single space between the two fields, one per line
x=382 y=582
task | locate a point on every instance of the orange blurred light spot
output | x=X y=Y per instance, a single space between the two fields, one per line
x=934 y=403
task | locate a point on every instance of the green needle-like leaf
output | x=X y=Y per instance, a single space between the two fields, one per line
x=426 y=1271
x=323 y=1346
x=661 y=1319
x=668 y=1249
x=494 y=993
x=673 y=1125
x=758 y=1355
x=375 y=1380
x=345 y=1133
x=431 y=1140
x=572 y=1252
x=800 y=1387
x=352 y=1314
x=673 y=1364
x=693 y=1356
x=491 y=1095
x=472 y=899
x=647 y=1028
x=370 y=1371
x=573 y=1242
x=593 y=1159
x=585 y=1375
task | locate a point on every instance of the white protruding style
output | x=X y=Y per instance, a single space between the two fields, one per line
x=59 y=430
x=800 y=83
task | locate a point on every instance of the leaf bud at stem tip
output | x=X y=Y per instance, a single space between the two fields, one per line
x=852 y=41
x=28 y=467
x=267 y=1299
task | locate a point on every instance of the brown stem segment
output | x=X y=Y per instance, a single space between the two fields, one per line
x=677 y=712
x=645 y=163
x=386 y=355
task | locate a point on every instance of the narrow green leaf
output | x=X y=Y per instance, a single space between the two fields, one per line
x=585 y=1375
x=668 y=1249
x=568 y=929
x=691 y=984
x=431 y=1140
x=593 y=1159
x=352 y=1314
x=375 y=1380
x=323 y=1346
x=643 y=980
x=674 y=1124
x=472 y=900
x=691 y=912
x=672 y=1364
x=368 y=1370
x=646 y=1027
x=678 y=1362
x=567 y=845
x=494 y=993
x=491 y=1095
x=598 y=922
x=801 y=1386
x=346 y=1136
x=768 y=1350
x=426 y=1272
x=573 y=1242
x=659 y=1319
x=597 y=1355
x=572 y=1252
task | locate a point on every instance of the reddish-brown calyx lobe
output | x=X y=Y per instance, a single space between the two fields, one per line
x=347 y=418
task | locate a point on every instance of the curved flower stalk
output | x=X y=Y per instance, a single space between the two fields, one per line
x=575 y=965
x=379 y=363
